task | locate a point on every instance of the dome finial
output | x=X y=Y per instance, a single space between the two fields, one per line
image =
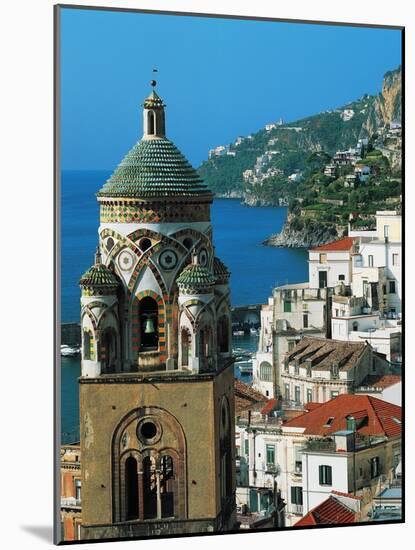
x=154 y=82
x=98 y=258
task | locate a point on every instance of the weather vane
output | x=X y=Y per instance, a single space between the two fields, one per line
x=154 y=82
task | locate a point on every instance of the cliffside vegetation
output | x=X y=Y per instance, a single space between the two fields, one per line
x=260 y=167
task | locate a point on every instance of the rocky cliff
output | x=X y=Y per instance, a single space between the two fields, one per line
x=387 y=106
x=292 y=236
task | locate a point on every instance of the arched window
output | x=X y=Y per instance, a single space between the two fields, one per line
x=149 y=324
x=149 y=487
x=109 y=244
x=223 y=334
x=186 y=343
x=265 y=371
x=167 y=486
x=131 y=488
x=155 y=486
x=225 y=451
x=88 y=346
x=355 y=326
x=204 y=342
x=108 y=355
x=151 y=123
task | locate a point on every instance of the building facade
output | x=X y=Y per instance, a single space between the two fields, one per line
x=156 y=388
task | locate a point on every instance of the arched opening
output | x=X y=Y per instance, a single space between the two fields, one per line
x=167 y=486
x=149 y=324
x=88 y=343
x=149 y=487
x=186 y=343
x=160 y=471
x=109 y=244
x=265 y=371
x=204 y=342
x=109 y=349
x=131 y=488
x=144 y=244
x=225 y=451
x=355 y=326
x=151 y=123
x=188 y=243
x=223 y=334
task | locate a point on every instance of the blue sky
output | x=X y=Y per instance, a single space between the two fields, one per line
x=219 y=78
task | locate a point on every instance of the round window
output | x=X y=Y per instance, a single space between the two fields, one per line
x=148 y=431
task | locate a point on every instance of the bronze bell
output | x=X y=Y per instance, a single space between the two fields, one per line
x=149 y=326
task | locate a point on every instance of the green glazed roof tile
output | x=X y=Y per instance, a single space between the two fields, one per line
x=195 y=275
x=154 y=168
x=98 y=275
x=219 y=268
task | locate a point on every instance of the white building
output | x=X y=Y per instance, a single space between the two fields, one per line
x=353 y=445
x=377 y=264
x=319 y=369
x=331 y=263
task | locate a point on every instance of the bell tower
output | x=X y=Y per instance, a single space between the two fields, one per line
x=156 y=387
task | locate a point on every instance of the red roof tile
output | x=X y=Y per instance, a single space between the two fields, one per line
x=330 y=511
x=336 y=246
x=270 y=406
x=246 y=397
x=383 y=418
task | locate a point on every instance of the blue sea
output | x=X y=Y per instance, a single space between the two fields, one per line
x=238 y=232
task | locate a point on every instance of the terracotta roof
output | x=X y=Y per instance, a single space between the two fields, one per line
x=383 y=418
x=336 y=246
x=246 y=397
x=324 y=353
x=381 y=380
x=270 y=406
x=330 y=511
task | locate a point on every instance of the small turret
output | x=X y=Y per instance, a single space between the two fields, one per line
x=99 y=320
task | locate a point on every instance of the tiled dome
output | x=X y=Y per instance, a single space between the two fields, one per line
x=98 y=276
x=195 y=277
x=154 y=168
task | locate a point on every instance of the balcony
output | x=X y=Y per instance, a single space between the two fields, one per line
x=296 y=509
x=70 y=502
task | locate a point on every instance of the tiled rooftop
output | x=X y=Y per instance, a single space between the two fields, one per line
x=340 y=245
x=323 y=352
x=378 y=417
x=247 y=398
x=329 y=512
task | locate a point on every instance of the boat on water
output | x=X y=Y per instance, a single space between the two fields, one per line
x=70 y=351
x=238 y=333
x=253 y=331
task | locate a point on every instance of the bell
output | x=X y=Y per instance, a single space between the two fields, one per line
x=149 y=326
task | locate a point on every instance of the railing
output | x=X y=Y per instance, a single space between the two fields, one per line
x=296 y=509
x=292 y=404
x=320 y=445
x=269 y=421
x=71 y=502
